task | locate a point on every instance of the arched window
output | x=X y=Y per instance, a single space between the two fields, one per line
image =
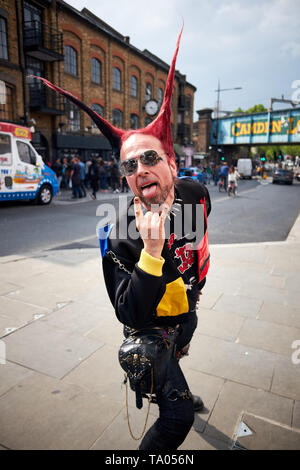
x=71 y=60
x=117 y=79
x=96 y=71
x=117 y=118
x=160 y=96
x=134 y=121
x=147 y=121
x=99 y=110
x=133 y=86
x=148 y=91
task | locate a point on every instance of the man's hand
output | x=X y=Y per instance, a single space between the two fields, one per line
x=151 y=227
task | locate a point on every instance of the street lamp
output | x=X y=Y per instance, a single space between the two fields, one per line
x=218 y=105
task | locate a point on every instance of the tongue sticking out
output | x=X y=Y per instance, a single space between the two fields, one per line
x=149 y=191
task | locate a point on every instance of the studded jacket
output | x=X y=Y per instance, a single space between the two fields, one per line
x=147 y=291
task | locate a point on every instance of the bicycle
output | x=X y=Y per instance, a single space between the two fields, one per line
x=221 y=185
x=231 y=189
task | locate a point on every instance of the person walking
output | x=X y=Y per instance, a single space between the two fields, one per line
x=76 y=178
x=82 y=176
x=58 y=169
x=115 y=176
x=94 y=177
x=224 y=174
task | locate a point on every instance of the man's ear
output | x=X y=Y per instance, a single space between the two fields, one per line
x=173 y=166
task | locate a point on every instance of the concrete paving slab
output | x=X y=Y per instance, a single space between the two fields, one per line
x=100 y=373
x=255 y=252
x=268 y=336
x=117 y=436
x=109 y=331
x=220 y=325
x=16 y=313
x=76 y=318
x=196 y=440
x=232 y=361
x=208 y=388
x=235 y=399
x=47 y=349
x=286 y=380
x=40 y=298
x=6 y=287
x=246 y=306
x=281 y=314
x=12 y=374
x=215 y=284
x=268 y=435
x=43 y=413
x=296 y=415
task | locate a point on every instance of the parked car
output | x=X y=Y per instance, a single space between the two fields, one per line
x=283 y=176
x=297 y=175
x=192 y=172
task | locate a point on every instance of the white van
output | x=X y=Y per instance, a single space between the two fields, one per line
x=23 y=174
x=244 y=167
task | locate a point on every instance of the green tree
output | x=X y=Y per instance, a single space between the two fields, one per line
x=257 y=108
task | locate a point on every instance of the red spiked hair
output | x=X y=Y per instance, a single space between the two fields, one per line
x=160 y=127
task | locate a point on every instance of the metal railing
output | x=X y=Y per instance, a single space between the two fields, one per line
x=45 y=99
x=41 y=34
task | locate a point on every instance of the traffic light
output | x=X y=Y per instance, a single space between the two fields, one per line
x=262 y=158
x=222 y=158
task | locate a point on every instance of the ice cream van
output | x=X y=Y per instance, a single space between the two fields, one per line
x=23 y=174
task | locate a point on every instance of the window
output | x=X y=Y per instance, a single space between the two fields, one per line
x=117 y=79
x=187 y=105
x=133 y=86
x=73 y=115
x=99 y=110
x=71 y=60
x=26 y=154
x=6 y=102
x=160 y=96
x=148 y=91
x=3 y=39
x=147 y=121
x=134 y=121
x=5 y=150
x=96 y=71
x=117 y=118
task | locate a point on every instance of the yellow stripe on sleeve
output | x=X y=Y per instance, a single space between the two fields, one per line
x=151 y=265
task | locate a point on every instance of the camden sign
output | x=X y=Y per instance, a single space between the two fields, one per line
x=261 y=128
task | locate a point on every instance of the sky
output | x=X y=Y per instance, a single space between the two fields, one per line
x=250 y=44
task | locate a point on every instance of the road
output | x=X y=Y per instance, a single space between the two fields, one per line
x=260 y=212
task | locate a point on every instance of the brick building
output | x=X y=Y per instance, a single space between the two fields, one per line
x=79 y=52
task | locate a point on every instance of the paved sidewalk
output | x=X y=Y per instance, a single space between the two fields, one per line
x=61 y=385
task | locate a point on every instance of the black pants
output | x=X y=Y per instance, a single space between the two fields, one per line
x=176 y=409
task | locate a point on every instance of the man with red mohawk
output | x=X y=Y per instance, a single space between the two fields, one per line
x=154 y=280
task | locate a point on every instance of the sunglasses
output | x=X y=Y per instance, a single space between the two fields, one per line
x=148 y=158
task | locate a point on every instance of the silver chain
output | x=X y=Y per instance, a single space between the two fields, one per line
x=118 y=262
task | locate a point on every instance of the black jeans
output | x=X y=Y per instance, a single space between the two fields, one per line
x=176 y=409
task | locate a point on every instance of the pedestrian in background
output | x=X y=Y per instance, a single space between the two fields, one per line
x=115 y=176
x=58 y=169
x=224 y=174
x=94 y=177
x=82 y=176
x=76 y=178
x=216 y=174
x=102 y=175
